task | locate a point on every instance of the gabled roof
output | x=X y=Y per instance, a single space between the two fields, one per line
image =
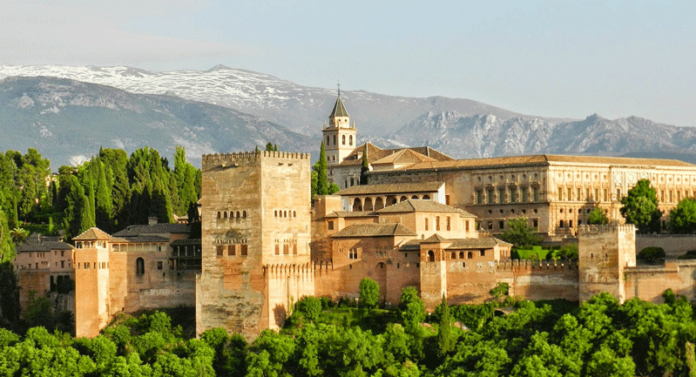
x=476 y=243
x=339 y=110
x=92 y=234
x=352 y=214
x=374 y=230
x=391 y=188
x=375 y=153
x=435 y=238
x=37 y=242
x=159 y=228
x=404 y=156
x=411 y=205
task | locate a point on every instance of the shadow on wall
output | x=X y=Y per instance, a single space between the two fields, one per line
x=280 y=315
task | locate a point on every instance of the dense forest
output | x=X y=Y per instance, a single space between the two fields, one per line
x=322 y=338
x=110 y=191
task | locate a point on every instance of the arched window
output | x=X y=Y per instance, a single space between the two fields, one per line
x=219 y=215
x=381 y=265
x=431 y=256
x=285 y=213
x=350 y=140
x=470 y=255
x=414 y=197
x=244 y=214
x=139 y=267
x=426 y=197
x=294 y=213
x=224 y=215
x=357 y=205
x=426 y=224
x=403 y=198
x=453 y=255
x=343 y=139
x=461 y=255
x=334 y=140
x=275 y=213
x=231 y=214
x=237 y=213
x=328 y=140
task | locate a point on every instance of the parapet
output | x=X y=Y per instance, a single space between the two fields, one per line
x=588 y=230
x=230 y=159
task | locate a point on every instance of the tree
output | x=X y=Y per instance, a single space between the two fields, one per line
x=19 y=235
x=365 y=168
x=269 y=147
x=310 y=306
x=369 y=293
x=501 y=289
x=597 y=217
x=640 y=207
x=320 y=168
x=445 y=338
x=76 y=217
x=682 y=219
x=519 y=233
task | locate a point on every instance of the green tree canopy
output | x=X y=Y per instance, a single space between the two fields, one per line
x=369 y=293
x=597 y=217
x=519 y=233
x=682 y=219
x=639 y=207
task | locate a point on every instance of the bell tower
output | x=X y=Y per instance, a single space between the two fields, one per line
x=339 y=135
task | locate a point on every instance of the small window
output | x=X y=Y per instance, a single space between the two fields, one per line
x=220 y=249
x=244 y=250
x=139 y=267
x=453 y=255
x=437 y=222
x=244 y=214
x=449 y=225
x=426 y=224
x=331 y=225
x=231 y=250
x=294 y=249
x=224 y=215
x=501 y=224
x=463 y=264
x=461 y=255
x=219 y=215
x=431 y=256
x=286 y=249
x=483 y=253
x=277 y=249
x=470 y=255
x=159 y=265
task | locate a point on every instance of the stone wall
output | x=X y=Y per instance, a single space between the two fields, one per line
x=650 y=282
x=674 y=245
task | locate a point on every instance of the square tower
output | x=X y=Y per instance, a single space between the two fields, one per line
x=255 y=240
x=339 y=136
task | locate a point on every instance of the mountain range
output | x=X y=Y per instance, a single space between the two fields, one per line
x=69 y=112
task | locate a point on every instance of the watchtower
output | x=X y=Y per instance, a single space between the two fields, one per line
x=255 y=240
x=339 y=135
x=604 y=251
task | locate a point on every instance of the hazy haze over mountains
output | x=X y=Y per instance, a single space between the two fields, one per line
x=224 y=109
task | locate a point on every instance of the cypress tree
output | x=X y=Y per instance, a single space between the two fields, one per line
x=445 y=337
x=275 y=147
x=365 y=167
x=320 y=167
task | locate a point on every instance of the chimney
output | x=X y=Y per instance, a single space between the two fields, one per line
x=152 y=220
x=427 y=151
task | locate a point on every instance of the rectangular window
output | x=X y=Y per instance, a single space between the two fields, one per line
x=231 y=250
x=525 y=196
x=577 y=194
x=467 y=225
x=447 y=199
x=220 y=249
x=294 y=249
x=570 y=223
x=490 y=196
x=501 y=224
x=277 y=249
x=671 y=198
x=535 y=223
x=501 y=195
x=479 y=197
x=570 y=194
x=159 y=265
x=513 y=195
x=490 y=225
x=244 y=249
x=662 y=195
x=437 y=222
x=483 y=253
x=62 y=264
x=286 y=249
x=560 y=224
x=330 y=225
x=449 y=226
x=596 y=195
x=606 y=196
x=587 y=194
x=560 y=193
x=618 y=194
x=426 y=224
x=535 y=193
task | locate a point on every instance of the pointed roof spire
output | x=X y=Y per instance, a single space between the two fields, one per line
x=339 y=110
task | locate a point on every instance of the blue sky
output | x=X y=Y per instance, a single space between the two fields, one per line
x=551 y=58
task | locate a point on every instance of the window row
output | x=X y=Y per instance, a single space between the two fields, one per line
x=89 y=244
x=284 y=213
x=92 y=265
x=286 y=246
x=437 y=223
x=224 y=215
x=589 y=194
x=138 y=247
x=186 y=251
x=469 y=254
x=506 y=195
x=232 y=250
x=501 y=224
x=343 y=140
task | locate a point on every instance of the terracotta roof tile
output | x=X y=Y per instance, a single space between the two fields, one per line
x=403 y=156
x=92 y=234
x=391 y=188
x=159 y=228
x=435 y=238
x=375 y=153
x=374 y=230
x=476 y=243
x=411 y=205
x=352 y=214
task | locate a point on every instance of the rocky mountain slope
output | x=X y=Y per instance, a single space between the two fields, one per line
x=67 y=121
x=299 y=108
x=487 y=135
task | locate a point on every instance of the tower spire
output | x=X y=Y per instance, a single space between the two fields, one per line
x=339 y=88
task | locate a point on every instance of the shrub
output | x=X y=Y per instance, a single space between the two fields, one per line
x=369 y=293
x=651 y=255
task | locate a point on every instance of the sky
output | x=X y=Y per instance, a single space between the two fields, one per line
x=566 y=59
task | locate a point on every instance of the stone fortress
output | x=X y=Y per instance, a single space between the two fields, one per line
x=424 y=220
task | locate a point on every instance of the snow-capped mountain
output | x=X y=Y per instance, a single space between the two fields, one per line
x=299 y=108
x=68 y=121
x=487 y=135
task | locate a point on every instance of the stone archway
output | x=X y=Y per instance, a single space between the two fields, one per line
x=357 y=205
x=368 y=205
x=379 y=204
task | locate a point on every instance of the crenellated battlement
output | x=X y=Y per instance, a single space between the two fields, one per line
x=519 y=264
x=275 y=270
x=588 y=230
x=227 y=159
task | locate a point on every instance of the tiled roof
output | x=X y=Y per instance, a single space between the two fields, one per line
x=403 y=156
x=391 y=188
x=352 y=214
x=411 y=205
x=139 y=239
x=476 y=243
x=42 y=243
x=435 y=238
x=375 y=153
x=339 y=110
x=92 y=234
x=374 y=230
x=412 y=245
x=159 y=228
x=543 y=159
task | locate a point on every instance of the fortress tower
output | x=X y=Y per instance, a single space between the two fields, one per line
x=255 y=240
x=339 y=136
x=604 y=252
